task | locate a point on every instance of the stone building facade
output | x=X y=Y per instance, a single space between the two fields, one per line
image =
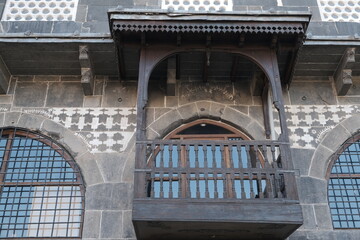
x=43 y=91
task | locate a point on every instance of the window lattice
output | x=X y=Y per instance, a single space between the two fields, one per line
x=40 y=10
x=40 y=188
x=198 y=5
x=344 y=186
x=339 y=10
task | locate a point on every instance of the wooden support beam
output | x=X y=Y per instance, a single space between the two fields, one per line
x=343 y=73
x=234 y=67
x=4 y=77
x=171 y=76
x=206 y=66
x=266 y=110
x=257 y=83
x=87 y=76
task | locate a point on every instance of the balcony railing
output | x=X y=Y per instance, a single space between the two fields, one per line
x=213 y=170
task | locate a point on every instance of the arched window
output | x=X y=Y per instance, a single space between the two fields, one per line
x=344 y=185
x=41 y=189
x=205 y=149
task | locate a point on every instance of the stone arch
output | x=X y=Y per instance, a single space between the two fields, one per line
x=72 y=143
x=332 y=141
x=204 y=109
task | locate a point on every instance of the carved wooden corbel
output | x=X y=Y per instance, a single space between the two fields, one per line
x=87 y=77
x=343 y=74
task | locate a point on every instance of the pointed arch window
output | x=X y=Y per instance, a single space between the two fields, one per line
x=41 y=189
x=344 y=185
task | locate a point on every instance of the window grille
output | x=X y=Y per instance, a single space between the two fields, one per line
x=41 y=190
x=40 y=10
x=344 y=185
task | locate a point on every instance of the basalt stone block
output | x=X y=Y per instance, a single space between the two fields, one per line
x=312 y=93
x=90 y=169
x=111 y=224
x=188 y=112
x=302 y=159
x=30 y=94
x=92 y=101
x=312 y=190
x=66 y=27
x=322 y=213
x=92 y=224
x=111 y=166
x=309 y=217
x=128 y=229
x=120 y=95
x=65 y=94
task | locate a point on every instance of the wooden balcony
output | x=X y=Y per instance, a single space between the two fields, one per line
x=198 y=189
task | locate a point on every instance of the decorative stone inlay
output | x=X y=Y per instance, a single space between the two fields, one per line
x=308 y=124
x=40 y=10
x=198 y=5
x=339 y=10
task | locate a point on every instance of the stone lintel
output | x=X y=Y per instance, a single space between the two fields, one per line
x=343 y=74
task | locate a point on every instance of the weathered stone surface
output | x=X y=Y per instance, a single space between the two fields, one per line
x=128 y=229
x=335 y=138
x=171 y=101
x=30 y=94
x=309 y=217
x=74 y=143
x=197 y=91
x=167 y=122
x=312 y=93
x=119 y=95
x=111 y=166
x=242 y=94
x=30 y=121
x=236 y=117
x=256 y=112
x=111 y=224
x=65 y=94
x=92 y=101
x=312 y=190
x=188 y=112
x=323 y=217
x=352 y=124
x=11 y=118
x=128 y=170
x=301 y=159
x=53 y=129
x=92 y=224
x=203 y=108
x=47 y=78
x=156 y=97
x=89 y=169
x=6 y=99
x=320 y=162
x=109 y=196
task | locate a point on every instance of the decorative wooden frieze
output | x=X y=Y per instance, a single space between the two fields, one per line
x=202 y=27
x=343 y=74
x=87 y=76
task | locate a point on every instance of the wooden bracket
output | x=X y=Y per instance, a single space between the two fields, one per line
x=171 y=76
x=343 y=73
x=87 y=76
x=4 y=77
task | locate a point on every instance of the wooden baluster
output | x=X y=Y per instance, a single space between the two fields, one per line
x=196 y=152
x=266 y=158
x=239 y=149
x=232 y=179
x=205 y=151
x=197 y=182
x=222 y=157
x=206 y=178
x=216 y=191
x=273 y=152
x=242 y=184
x=231 y=159
x=256 y=154
x=270 y=185
x=223 y=177
x=171 y=164
x=161 y=185
x=248 y=158
x=278 y=186
x=181 y=180
x=213 y=149
x=161 y=155
x=260 y=185
x=170 y=184
x=251 y=178
x=152 y=193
